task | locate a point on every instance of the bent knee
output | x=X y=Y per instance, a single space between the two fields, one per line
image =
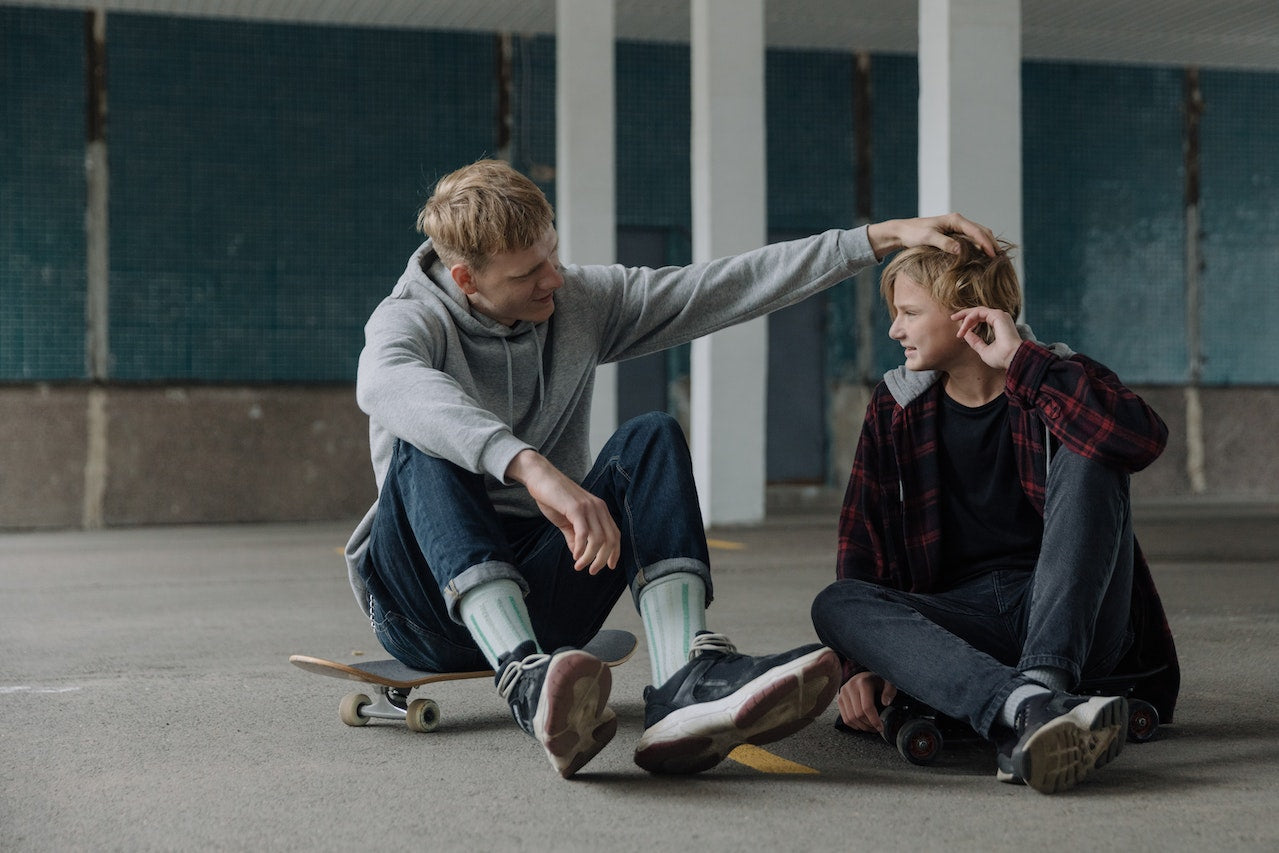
x=652 y=422
x=831 y=605
x=1065 y=463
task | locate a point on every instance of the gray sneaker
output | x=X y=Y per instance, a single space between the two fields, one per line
x=1059 y=739
x=561 y=700
x=722 y=699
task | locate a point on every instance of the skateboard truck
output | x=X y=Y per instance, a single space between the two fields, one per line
x=390 y=703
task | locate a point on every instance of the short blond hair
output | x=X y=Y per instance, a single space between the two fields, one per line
x=956 y=281
x=483 y=209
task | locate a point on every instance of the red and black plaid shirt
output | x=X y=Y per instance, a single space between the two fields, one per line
x=890 y=523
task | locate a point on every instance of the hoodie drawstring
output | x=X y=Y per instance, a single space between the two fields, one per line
x=541 y=379
x=510 y=386
x=510 y=379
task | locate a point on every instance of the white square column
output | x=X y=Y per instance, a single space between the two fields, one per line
x=970 y=112
x=729 y=370
x=585 y=162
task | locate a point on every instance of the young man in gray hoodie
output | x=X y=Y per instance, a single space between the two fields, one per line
x=496 y=542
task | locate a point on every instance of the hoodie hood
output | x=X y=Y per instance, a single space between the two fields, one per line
x=905 y=384
x=427 y=279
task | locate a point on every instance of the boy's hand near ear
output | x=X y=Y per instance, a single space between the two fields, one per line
x=1003 y=346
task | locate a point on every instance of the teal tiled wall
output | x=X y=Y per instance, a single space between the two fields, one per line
x=265 y=179
x=894 y=171
x=533 y=110
x=42 y=195
x=654 y=104
x=1240 y=224
x=811 y=154
x=1104 y=221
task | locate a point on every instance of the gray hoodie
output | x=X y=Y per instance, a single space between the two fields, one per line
x=463 y=387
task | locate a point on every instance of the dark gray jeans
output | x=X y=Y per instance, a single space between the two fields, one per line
x=962 y=651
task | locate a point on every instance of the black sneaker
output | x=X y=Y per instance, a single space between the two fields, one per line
x=561 y=700
x=722 y=699
x=1059 y=739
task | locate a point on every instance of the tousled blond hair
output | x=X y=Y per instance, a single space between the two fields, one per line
x=483 y=209
x=956 y=281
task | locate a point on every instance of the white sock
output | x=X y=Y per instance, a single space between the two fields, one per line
x=497 y=618
x=1048 y=679
x=1051 y=677
x=1008 y=714
x=673 y=608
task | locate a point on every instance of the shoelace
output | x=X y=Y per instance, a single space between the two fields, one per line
x=506 y=684
x=709 y=642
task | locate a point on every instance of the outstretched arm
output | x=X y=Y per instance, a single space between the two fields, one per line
x=639 y=311
x=893 y=234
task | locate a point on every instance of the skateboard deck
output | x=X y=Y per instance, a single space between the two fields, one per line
x=392 y=682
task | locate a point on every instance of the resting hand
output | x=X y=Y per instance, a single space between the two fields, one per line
x=588 y=527
x=894 y=234
x=856 y=701
x=1000 y=351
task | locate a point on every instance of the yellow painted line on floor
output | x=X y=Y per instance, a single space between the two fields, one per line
x=725 y=545
x=765 y=762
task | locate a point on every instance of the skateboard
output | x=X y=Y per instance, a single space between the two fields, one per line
x=392 y=682
x=919 y=731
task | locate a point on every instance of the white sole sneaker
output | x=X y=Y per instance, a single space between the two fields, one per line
x=573 y=721
x=777 y=703
x=1067 y=749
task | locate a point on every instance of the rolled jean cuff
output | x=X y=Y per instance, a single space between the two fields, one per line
x=477 y=575
x=1070 y=667
x=675 y=565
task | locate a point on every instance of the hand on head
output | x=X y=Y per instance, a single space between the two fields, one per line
x=895 y=234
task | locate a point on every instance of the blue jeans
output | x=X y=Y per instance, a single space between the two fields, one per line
x=963 y=650
x=436 y=535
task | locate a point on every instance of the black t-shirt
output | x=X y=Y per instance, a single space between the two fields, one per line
x=987 y=522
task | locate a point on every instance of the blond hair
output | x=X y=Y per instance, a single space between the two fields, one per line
x=483 y=209
x=955 y=281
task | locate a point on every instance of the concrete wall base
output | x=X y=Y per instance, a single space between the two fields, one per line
x=180 y=455
x=82 y=456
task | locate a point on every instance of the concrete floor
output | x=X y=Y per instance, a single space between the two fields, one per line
x=146 y=703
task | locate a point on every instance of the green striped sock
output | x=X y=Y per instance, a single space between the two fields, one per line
x=673 y=608
x=497 y=618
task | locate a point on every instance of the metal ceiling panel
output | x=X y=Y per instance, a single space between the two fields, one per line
x=1225 y=33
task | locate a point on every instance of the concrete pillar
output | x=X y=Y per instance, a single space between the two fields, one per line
x=97 y=268
x=970 y=112
x=585 y=168
x=729 y=369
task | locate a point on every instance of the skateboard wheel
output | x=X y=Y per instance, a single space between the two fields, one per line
x=423 y=715
x=1143 y=721
x=919 y=741
x=892 y=717
x=349 y=710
